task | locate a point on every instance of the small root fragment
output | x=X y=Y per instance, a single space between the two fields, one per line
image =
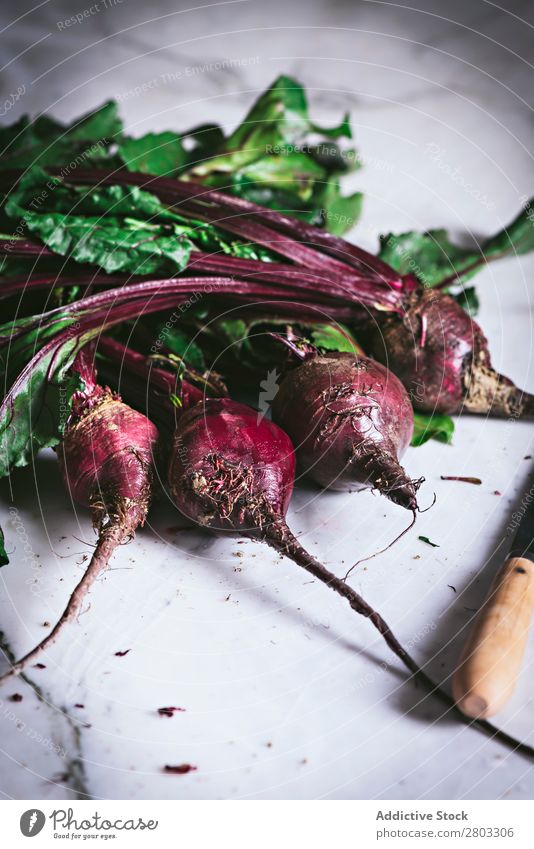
x=386 y=548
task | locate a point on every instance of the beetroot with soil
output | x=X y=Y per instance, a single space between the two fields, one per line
x=106 y=460
x=442 y=357
x=350 y=420
x=233 y=470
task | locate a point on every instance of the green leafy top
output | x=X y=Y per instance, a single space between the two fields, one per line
x=276 y=157
x=436 y=426
x=37 y=405
x=429 y=256
x=4 y=559
x=45 y=141
x=248 y=342
x=434 y=259
x=161 y=154
x=182 y=344
x=333 y=337
x=118 y=228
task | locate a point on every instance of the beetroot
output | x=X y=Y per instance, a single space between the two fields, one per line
x=106 y=460
x=350 y=420
x=233 y=470
x=442 y=357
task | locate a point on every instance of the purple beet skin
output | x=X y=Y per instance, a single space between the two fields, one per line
x=107 y=464
x=350 y=420
x=231 y=469
x=442 y=357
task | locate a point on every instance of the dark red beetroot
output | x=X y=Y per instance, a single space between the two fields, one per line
x=106 y=460
x=442 y=357
x=232 y=470
x=350 y=420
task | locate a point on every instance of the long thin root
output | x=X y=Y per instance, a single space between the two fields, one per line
x=278 y=534
x=110 y=537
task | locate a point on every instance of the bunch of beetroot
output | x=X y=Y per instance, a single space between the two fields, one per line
x=228 y=470
x=423 y=335
x=346 y=418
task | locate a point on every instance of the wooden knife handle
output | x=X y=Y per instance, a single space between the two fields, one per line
x=491 y=660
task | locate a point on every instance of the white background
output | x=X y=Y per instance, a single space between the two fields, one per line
x=282 y=685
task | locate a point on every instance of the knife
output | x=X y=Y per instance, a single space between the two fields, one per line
x=490 y=663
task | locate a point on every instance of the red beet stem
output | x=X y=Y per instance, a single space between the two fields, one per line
x=137 y=364
x=240 y=277
x=347 y=286
x=343 y=282
x=159 y=378
x=240 y=217
x=289 y=237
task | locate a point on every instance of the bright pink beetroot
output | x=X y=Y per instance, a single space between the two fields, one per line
x=107 y=463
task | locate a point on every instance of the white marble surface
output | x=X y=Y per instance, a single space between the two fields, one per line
x=283 y=689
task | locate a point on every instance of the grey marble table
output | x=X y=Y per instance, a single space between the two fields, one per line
x=286 y=694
